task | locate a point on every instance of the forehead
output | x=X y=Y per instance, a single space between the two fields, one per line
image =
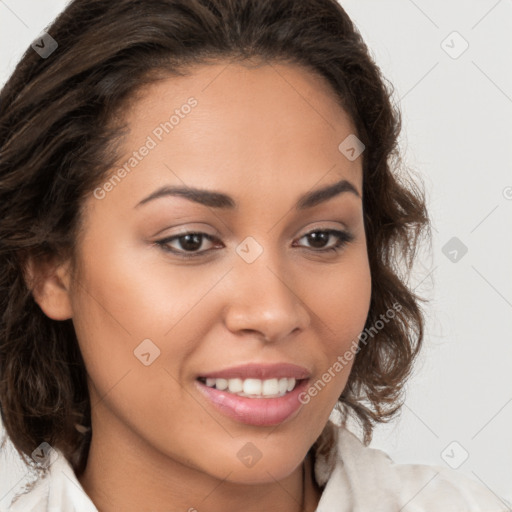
x=273 y=126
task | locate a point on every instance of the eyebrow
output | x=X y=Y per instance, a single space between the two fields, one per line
x=215 y=199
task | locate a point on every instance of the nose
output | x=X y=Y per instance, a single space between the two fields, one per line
x=264 y=302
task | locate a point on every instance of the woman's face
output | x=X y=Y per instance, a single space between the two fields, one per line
x=259 y=284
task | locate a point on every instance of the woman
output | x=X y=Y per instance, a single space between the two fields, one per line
x=201 y=238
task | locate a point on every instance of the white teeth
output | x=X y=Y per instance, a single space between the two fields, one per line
x=221 y=384
x=254 y=388
x=270 y=387
x=235 y=385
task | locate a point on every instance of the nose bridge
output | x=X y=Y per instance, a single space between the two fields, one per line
x=263 y=299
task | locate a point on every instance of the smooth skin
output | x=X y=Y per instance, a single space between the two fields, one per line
x=265 y=136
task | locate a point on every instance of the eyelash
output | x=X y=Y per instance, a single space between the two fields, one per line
x=343 y=238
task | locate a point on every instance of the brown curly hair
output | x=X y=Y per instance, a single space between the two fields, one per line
x=58 y=140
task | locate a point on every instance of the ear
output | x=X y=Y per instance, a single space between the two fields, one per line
x=49 y=283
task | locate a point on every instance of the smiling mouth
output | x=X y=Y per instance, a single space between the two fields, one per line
x=253 y=388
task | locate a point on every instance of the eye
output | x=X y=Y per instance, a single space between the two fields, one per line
x=187 y=243
x=318 y=239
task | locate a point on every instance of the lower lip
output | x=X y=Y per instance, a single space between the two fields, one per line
x=255 y=411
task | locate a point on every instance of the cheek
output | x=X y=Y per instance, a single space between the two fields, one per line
x=121 y=314
x=134 y=335
x=342 y=303
x=129 y=291
x=342 y=300
x=136 y=317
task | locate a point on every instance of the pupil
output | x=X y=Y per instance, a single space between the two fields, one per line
x=194 y=239
x=314 y=238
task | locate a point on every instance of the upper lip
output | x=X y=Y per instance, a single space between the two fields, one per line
x=260 y=371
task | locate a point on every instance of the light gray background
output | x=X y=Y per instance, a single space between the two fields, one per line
x=457 y=134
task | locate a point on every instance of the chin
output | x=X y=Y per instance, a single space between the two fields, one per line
x=266 y=469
